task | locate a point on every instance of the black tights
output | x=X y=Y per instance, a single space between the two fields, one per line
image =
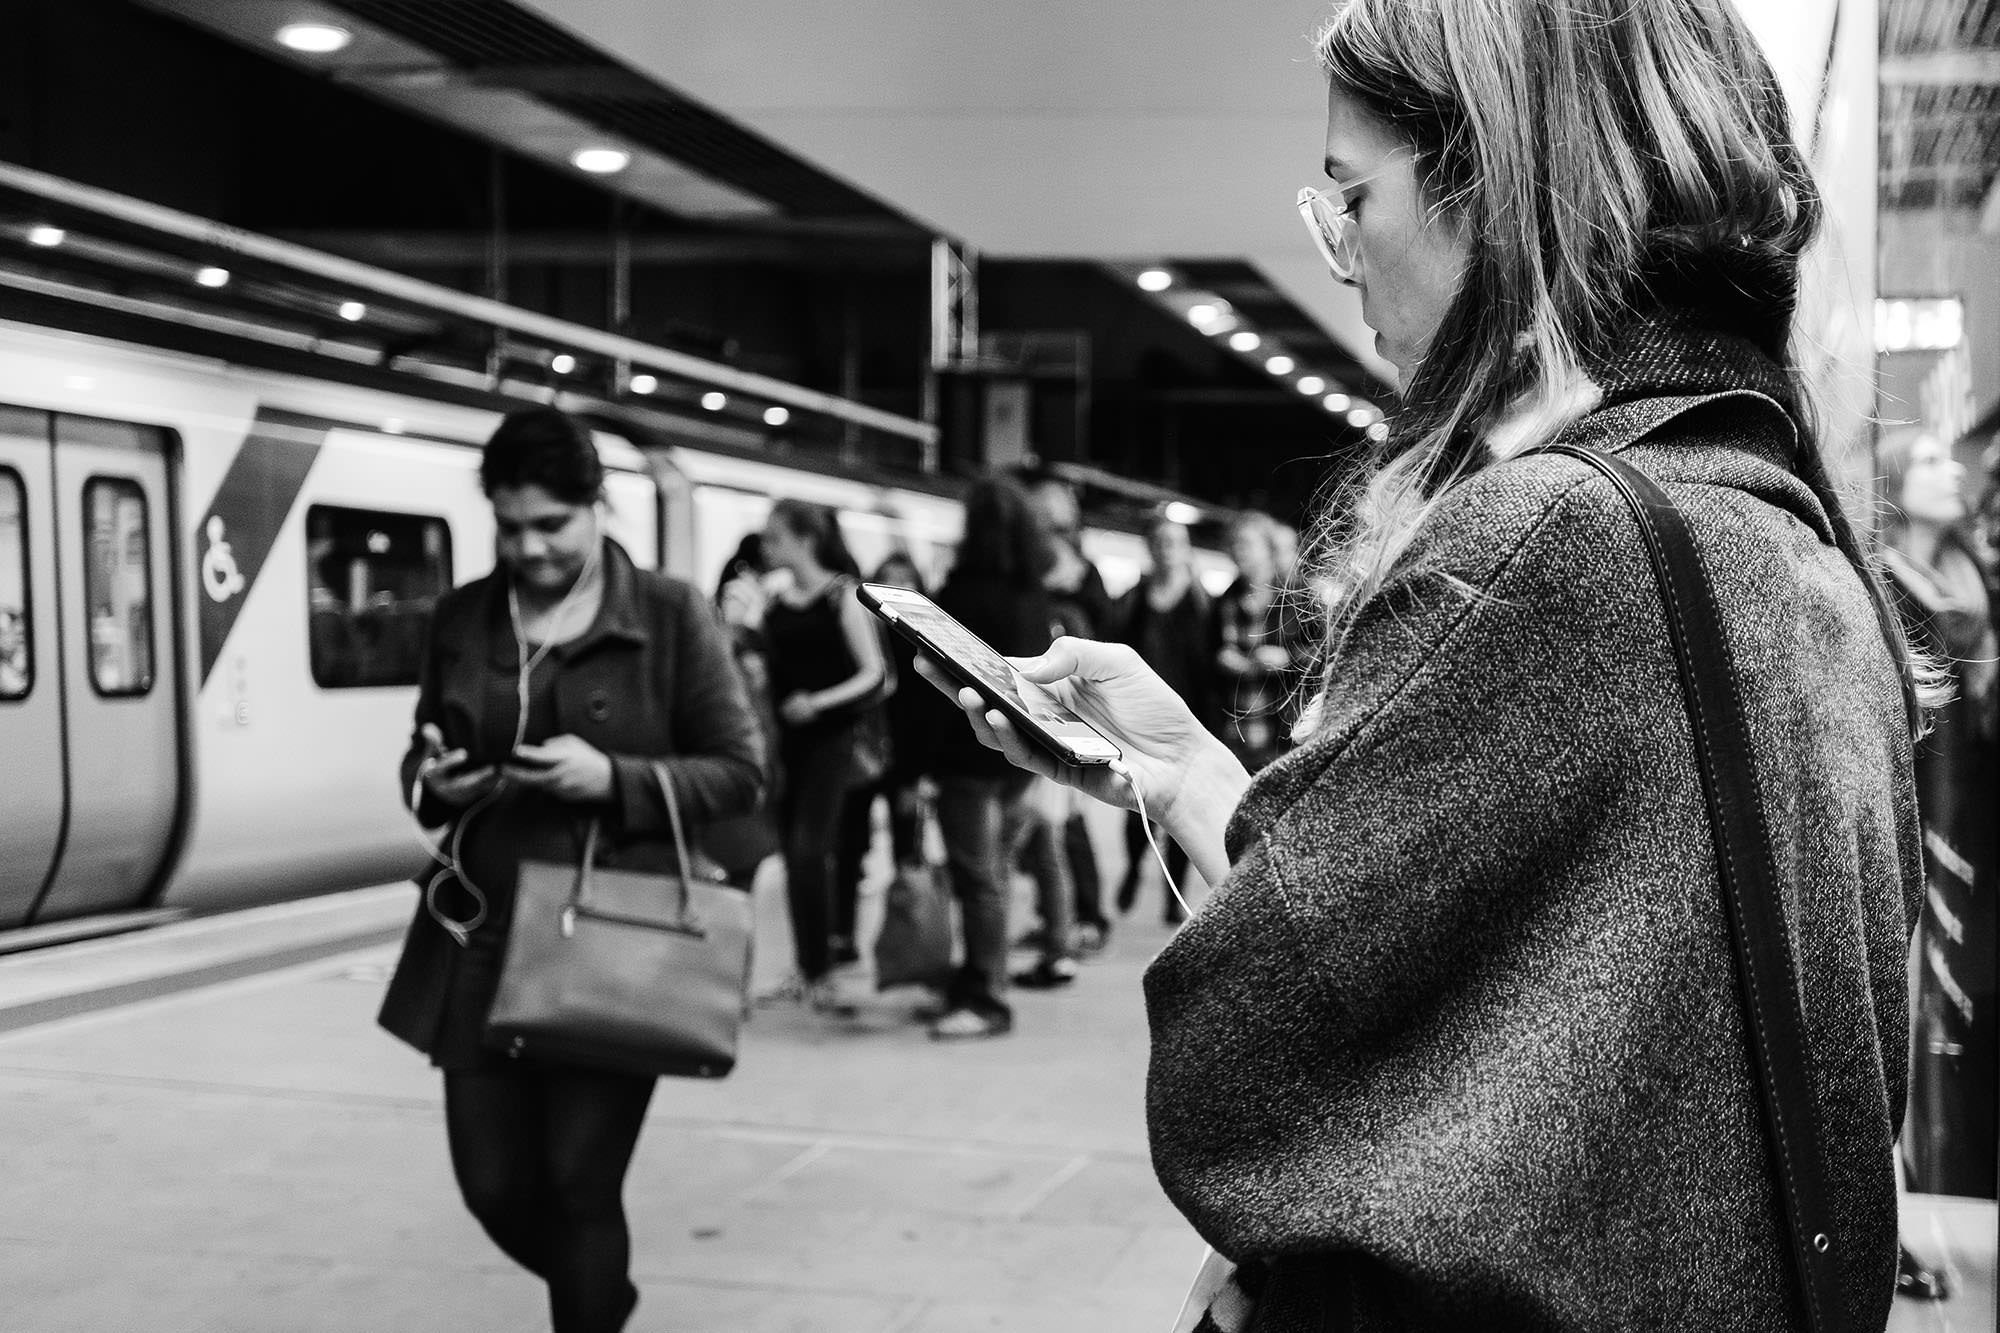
x=540 y=1153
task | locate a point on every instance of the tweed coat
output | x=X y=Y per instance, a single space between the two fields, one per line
x=1457 y=1043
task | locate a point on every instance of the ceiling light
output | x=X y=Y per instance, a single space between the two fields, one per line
x=1379 y=431
x=562 y=363
x=1360 y=418
x=644 y=384
x=314 y=39
x=1311 y=384
x=353 y=311
x=1181 y=512
x=1243 y=340
x=776 y=416
x=1155 y=280
x=714 y=401
x=1280 y=365
x=1337 y=402
x=212 y=276
x=1201 y=316
x=46 y=235
x=600 y=161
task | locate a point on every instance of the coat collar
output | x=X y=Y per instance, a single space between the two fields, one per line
x=618 y=617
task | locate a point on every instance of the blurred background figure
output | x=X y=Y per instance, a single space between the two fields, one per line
x=826 y=671
x=1254 y=661
x=1081 y=607
x=984 y=806
x=1941 y=592
x=741 y=843
x=1169 y=618
x=903 y=714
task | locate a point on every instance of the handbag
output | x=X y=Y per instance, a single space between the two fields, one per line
x=1766 y=979
x=637 y=971
x=914 y=946
x=1765 y=974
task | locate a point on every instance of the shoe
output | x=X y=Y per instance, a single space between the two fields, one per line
x=824 y=999
x=1047 y=974
x=1916 y=1281
x=972 y=1025
x=1038 y=938
x=1092 y=937
x=841 y=951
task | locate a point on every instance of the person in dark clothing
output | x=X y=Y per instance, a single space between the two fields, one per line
x=898 y=784
x=827 y=670
x=1940 y=591
x=1170 y=619
x=550 y=690
x=984 y=805
x=1254 y=661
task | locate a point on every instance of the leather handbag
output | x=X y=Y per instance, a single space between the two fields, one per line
x=1766 y=976
x=635 y=971
x=914 y=946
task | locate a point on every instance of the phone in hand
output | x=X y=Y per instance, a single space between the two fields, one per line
x=1035 y=713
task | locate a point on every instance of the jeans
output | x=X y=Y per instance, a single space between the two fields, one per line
x=976 y=816
x=819 y=771
x=540 y=1152
x=1035 y=835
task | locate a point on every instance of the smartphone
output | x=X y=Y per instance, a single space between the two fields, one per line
x=1035 y=712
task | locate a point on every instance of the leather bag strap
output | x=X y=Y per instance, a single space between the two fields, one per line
x=665 y=777
x=588 y=863
x=1766 y=976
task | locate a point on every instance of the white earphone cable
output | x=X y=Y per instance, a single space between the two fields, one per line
x=1119 y=767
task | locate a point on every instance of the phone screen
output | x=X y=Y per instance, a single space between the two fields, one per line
x=1031 y=706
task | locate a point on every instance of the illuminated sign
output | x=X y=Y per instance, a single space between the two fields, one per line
x=1927 y=324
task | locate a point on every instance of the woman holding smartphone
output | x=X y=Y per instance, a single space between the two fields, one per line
x=550 y=690
x=1456 y=1042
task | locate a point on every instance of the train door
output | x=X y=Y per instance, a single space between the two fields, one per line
x=31 y=690
x=119 y=662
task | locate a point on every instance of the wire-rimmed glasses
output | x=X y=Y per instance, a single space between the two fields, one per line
x=1331 y=223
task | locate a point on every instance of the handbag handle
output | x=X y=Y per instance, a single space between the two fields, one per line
x=689 y=923
x=1766 y=977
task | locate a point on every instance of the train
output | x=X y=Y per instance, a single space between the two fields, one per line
x=215 y=584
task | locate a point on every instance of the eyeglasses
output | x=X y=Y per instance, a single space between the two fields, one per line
x=1331 y=223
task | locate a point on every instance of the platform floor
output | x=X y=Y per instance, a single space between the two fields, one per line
x=197 y=1142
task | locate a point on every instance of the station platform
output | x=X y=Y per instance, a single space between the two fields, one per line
x=206 y=1132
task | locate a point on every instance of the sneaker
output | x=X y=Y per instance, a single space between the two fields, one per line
x=1047 y=974
x=971 y=1025
x=825 y=999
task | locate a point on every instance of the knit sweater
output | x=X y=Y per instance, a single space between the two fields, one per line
x=1457 y=1044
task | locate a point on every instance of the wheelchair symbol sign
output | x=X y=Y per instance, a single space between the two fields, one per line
x=220 y=578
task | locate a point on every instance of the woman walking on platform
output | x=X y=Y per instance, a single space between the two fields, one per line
x=551 y=691
x=826 y=672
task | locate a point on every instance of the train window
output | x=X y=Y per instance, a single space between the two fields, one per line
x=118 y=585
x=372 y=579
x=17 y=646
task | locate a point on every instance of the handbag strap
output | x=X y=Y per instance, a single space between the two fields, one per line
x=1765 y=973
x=589 y=860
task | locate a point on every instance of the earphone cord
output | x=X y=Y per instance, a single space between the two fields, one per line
x=447 y=852
x=1119 y=767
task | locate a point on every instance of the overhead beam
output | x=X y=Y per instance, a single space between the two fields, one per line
x=459 y=249
x=1942 y=69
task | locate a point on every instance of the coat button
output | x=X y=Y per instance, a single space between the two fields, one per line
x=598 y=706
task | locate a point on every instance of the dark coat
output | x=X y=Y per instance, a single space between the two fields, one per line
x=1457 y=1044
x=652 y=678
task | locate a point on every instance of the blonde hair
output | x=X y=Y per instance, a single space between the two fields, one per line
x=1601 y=157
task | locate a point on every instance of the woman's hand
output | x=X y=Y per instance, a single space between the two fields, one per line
x=797 y=709
x=1108 y=685
x=568 y=768
x=445 y=776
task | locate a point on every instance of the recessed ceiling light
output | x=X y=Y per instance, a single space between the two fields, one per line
x=314 y=39
x=353 y=311
x=212 y=276
x=1360 y=418
x=1280 y=365
x=776 y=416
x=46 y=235
x=1379 y=431
x=644 y=384
x=600 y=161
x=1337 y=402
x=1155 y=280
x=714 y=400
x=1203 y=314
x=1311 y=384
x=562 y=363
x=1181 y=512
x=1243 y=340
